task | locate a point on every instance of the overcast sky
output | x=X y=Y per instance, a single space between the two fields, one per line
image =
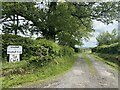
x=99 y=28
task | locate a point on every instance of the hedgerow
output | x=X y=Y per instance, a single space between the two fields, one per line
x=111 y=49
x=115 y=58
x=38 y=52
x=66 y=51
x=108 y=52
x=8 y=39
x=44 y=51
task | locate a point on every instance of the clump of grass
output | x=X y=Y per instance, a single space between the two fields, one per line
x=113 y=65
x=91 y=67
x=8 y=65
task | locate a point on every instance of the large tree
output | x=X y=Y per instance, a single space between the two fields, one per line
x=68 y=23
x=107 y=38
x=21 y=17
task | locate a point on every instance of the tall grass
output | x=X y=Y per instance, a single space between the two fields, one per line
x=112 y=64
x=56 y=67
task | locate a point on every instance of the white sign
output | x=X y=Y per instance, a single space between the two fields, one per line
x=14 y=53
x=14 y=49
x=14 y=58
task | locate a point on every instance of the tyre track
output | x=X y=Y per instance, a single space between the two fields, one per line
x=80 y=76
x=105 y=75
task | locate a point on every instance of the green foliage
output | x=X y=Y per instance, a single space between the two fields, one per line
x=114 y=58
x=44 y=51
x=18 y=15
x=15 y=68
x=8 y=39
x=39 y=52
x=68 y=29
x=111 y=49
x=111 y=60
x=66 y=51
x=30 y=73
x=77 y=50
x=107 y=38
x=100 y=11
x=53 y=48
x=67 y=22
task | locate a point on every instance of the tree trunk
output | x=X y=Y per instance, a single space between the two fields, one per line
x=17 y=24
x=14 y=27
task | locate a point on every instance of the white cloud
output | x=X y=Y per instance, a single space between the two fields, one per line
x=91 y=43
x=101 y=27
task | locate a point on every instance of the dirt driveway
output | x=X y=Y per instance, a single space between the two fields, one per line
x=81 y=77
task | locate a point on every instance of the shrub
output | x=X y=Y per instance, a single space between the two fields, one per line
x=66 y=51
x=8 y=39
x=111 y=49
x=115 y=58
x=38 y=52
x=53 y=47
x=44 y=51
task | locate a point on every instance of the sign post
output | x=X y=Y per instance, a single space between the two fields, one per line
x=14 y=53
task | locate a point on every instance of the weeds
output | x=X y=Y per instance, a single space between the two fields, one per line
x=41 y=73
x=113 y=65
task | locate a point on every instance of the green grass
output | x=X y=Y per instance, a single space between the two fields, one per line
x=113 y=65
x=57 y=67
x=8 y=65
x=91 y=67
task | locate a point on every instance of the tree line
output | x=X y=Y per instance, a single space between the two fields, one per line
x=107 y=38
x=67 y=23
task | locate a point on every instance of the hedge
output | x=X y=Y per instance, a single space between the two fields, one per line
x=44 y=51
x=8 y=39
x=115 y=58
x=66 y=51
x=111 y=49
x=38 y=52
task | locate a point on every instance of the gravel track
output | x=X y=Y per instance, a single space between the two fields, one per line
x=81 y=77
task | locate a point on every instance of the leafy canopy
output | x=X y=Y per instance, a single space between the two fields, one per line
x=107 y=38
x=67 y=23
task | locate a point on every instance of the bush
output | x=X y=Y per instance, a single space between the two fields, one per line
x=38 y=52
x=111 y=49
x=115 y=58
x=8 y=39
x=66 y=51
x=44 y=51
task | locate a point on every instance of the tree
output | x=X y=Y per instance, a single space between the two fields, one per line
x=107 y=38
x=105 y=12
x=114 y=36
x=20 y=17
x=68 y=23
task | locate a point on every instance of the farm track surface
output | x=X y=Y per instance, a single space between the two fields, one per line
x=80 y=76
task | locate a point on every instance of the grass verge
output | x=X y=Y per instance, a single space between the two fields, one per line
x=113 y=65
x=58 y=66
x=91 y=67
